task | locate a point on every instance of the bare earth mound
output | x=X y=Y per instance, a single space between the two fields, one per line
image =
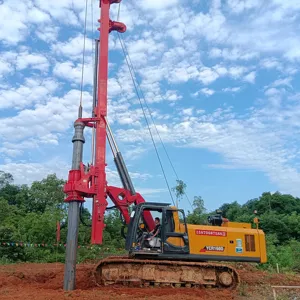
x=44 y=281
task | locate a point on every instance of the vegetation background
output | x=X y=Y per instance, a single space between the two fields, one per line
x=29 y=214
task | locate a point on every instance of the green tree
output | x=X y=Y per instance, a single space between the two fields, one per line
x=198 y=216
x=5 y=178
x=45 y=194
x=10 y=192
x=179 y=190
x=29 y=214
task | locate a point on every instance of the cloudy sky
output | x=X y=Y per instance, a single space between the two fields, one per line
x=220 y=77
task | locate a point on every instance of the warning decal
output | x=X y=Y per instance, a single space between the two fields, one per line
x=211 y=232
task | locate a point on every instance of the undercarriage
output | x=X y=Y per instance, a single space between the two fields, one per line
x=146 y=272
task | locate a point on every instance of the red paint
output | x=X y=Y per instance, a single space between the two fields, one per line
x=123 y=199
x=211 y=232
x=92 y=183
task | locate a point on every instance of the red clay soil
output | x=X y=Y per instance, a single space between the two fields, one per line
x=44 y=281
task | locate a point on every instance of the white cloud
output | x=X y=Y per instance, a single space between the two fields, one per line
x=272 y=92
x=172 y=96
x=271 y=63
x=231 y=90
x=35 y=15
x=32 y=91
x=13 y=26
x=130 y=14
x=232 y=54
x=221 y=70
x=274 y=96
x=73 y=48
x=32 y=60
x=188 y=111
x=239 y=6
x=237 y=71
x=48 y=34
x=72 y=72
x=142 y=50
x=150 y=191
x=293 y=53
x=134 y=152
x=10 y=152
x=14 y=150
x=210 y=25
x=153 y=94
x=207 y=75
x=277 y=89
x=246 y=143
x=272 y=25
x=283 y=82
x=56 y=115
x=17 y=19
x=5 y=68
x=223 y=166
x=205 y=91
x=63 y=10
x=27 y=172
x=156 y=4
x=179 y=75
x=148 y=45
x=23 y=59
x=250 y=77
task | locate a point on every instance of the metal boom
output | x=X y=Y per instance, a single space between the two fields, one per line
x=90 y=181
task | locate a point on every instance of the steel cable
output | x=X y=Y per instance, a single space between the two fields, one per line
x=146 y=119
x=83 y=60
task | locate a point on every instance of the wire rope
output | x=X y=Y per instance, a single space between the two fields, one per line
x=94 y=66
x=146 y=119
x=126 y=54
x=83 y=60
x=137 y=84
x=152 y=119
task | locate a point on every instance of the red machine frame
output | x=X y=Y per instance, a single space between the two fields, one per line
x=91 y=182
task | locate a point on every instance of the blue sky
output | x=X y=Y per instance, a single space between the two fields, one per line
x=221 y=78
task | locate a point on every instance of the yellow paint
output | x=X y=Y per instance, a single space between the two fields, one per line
x=230 y=238
x=237 y=225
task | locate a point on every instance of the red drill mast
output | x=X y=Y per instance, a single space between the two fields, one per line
x=90 y=182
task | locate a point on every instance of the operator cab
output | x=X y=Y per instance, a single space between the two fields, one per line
x=157 y=229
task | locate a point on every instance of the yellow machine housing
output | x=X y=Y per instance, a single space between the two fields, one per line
x=228 y=241
x=231 y=241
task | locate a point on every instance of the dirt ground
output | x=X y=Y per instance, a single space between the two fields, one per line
x=44 y=281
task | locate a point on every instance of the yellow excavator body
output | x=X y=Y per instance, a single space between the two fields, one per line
x=185 y=255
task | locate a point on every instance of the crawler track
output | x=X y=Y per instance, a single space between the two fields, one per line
x=144 y=272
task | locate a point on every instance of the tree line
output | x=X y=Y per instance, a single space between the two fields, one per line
x=29 y=214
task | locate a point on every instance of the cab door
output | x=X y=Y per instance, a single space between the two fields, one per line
x=174 y=232
x=131 y=232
